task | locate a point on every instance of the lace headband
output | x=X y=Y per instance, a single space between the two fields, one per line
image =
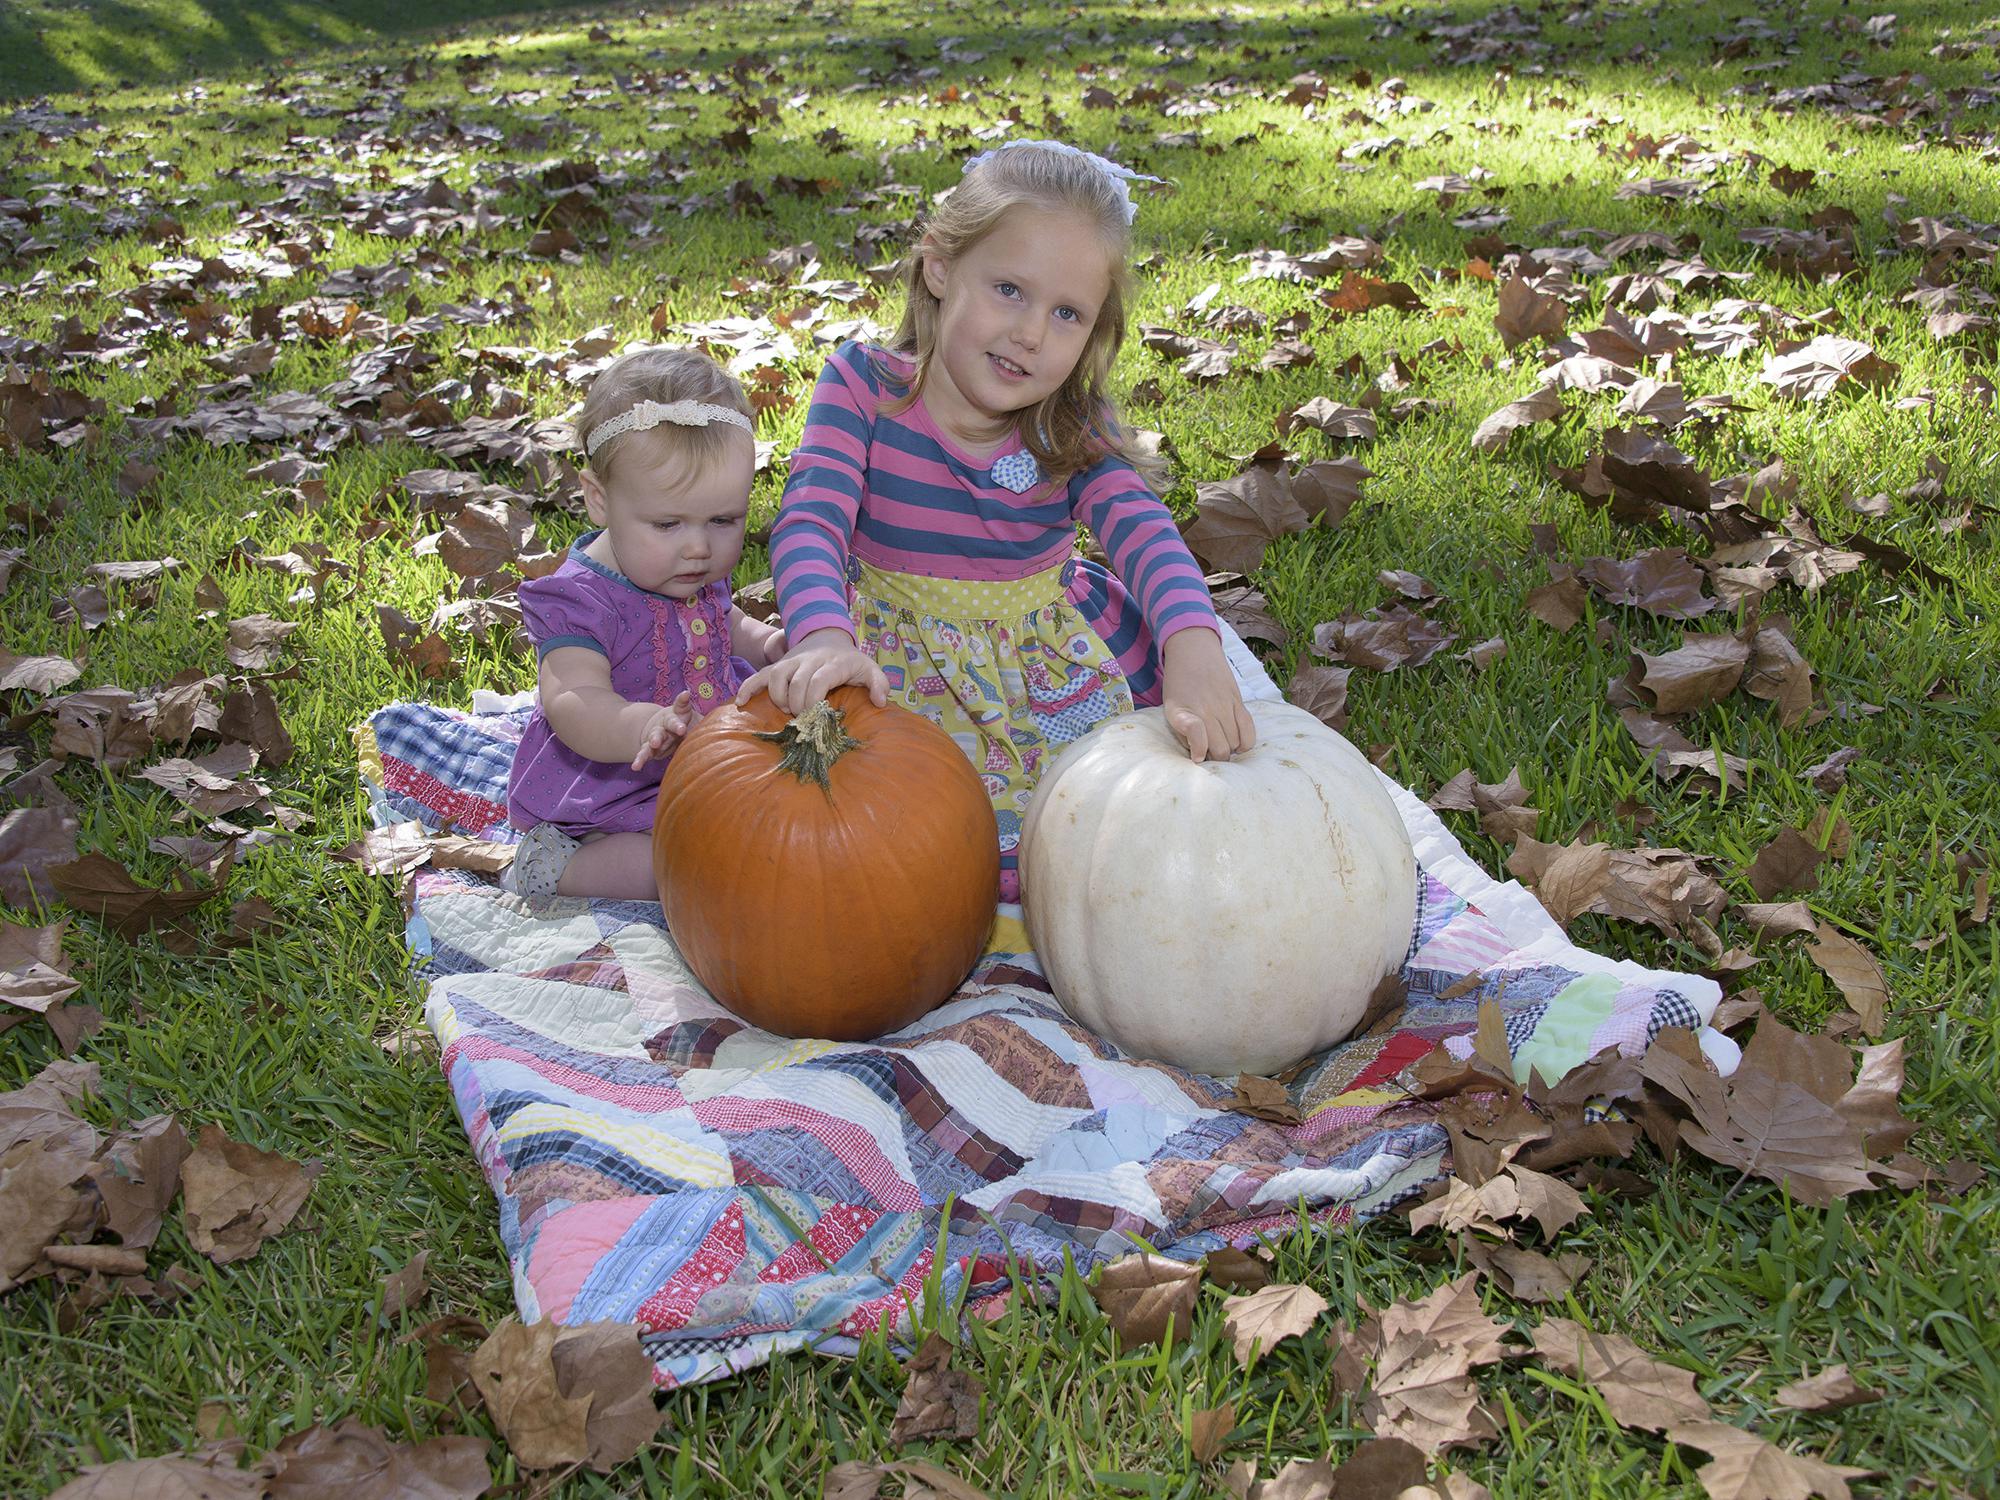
x=1117 y=175
x=652 y=413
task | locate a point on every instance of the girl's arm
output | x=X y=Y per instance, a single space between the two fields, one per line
x=597 y=722
x=822 y=499
x=755 y=640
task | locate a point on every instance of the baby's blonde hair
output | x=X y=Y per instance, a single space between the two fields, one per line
x=1071 y=428
x=663 y=375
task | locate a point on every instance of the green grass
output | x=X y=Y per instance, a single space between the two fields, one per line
x=278 y=1041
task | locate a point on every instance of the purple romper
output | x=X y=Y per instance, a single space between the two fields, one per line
x=658 y=648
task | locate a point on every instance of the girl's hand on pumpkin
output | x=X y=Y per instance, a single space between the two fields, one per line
x=823 y=661
x=663 y=731
x=1204 y=707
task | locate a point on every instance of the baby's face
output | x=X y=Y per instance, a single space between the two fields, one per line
x=674 y=528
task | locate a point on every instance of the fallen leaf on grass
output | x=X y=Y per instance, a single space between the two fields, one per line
x=1257 y=1323
x=35 y=979
x=1747 y=1467
x=1321 y=692
x=1208 y=1429
x=1776 y=919
x=1813 y=371
x=1378 y=1467
x=1786 y=865
x=1857 y=974
x=137 y=1174
x=1544 y=404
x=213 y=1477
x=938 y=1402
x=404 y=1289
x=554 y=1409
x=1703 y=671
x=1638 y=1390
x=1560 y=602
x=1526 y=312
x=235 y=1197
x=1236 y=518
x=1663 y=888
x=101 y=887
x=1661 y=582
x=1384 y=640
x=1140 y=1295
x=36 y=674
x=1832 y=1389
x=33 y=841
x=358 y=1462
x=859 y=1479
x=1299 y=1479
x=1236 y=1270
x=1528 y=1275
x=1420 y=1388
x=1503 y=807
x=257 y=641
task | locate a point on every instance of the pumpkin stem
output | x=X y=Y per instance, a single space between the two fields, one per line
x=812 y=742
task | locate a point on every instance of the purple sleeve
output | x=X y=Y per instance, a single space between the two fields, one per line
x=822 y=499
x=1144 y=546
x=557 y=612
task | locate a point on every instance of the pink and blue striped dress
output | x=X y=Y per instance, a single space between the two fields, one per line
x=959 y=574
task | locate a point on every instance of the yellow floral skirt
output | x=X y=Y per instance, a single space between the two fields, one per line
x=1009 y=669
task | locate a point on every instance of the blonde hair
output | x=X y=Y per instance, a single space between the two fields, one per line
x=1073 y=427
x=663 y=375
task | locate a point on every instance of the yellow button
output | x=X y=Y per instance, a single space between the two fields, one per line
x=707 y=690
x=701 y=661
x=699 y=627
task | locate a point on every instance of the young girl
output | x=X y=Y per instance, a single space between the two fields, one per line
x=635 y=632
x=925 y=545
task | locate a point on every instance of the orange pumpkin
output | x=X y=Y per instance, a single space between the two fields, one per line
x=831 y=875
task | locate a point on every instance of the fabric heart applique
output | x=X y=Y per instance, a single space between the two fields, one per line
x=1017 y=472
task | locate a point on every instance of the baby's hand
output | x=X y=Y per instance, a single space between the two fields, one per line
x=823 y=661
x=774 y=648
x=663 y=731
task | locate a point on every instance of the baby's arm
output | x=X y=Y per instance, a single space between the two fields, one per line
x=756 y=641
x=595 y=720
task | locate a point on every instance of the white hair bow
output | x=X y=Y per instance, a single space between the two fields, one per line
x=1119 y=176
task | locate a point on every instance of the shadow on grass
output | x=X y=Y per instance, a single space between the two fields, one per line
x=65 y=46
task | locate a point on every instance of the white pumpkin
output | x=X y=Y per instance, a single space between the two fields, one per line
x=1229 y=916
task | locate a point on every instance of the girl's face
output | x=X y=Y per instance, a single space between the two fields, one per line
x=673 y=528
x=1015 y=316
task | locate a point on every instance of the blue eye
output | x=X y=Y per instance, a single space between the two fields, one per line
x=1007 y=289
x=1070 y=313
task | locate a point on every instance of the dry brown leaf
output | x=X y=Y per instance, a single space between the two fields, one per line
x=1550 y=1202
x=100 y=886
x=1560 y=602
x=938 y=1402
x=1528 y=1275
x=1236 y=1270
x=1525 y=312
x=516 y=1376
x=1832 y=1389
x=1208 y=1429
x=1811 y=372
x=358 y=1462
x=404 y=1289
x=1257 y=1323
x=235 y=1197
x=1321 y=692
x=1638 y=1390
x=1855 y=970
x=1263 y=1098
x=1422 y=1392
x=1747 y=1467
x=33 y=842
x=213 y=1477
x=1543 y=404
x=1788 y=864
x=1140 y=1295
x=605 y=1364
x=1378 y=1467
x=1777 y=919
x=1703 y=671
x=136 y=1176
x=1660 y=581
x=1235 y=518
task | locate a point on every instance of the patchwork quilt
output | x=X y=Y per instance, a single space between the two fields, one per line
x=738 y=1194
